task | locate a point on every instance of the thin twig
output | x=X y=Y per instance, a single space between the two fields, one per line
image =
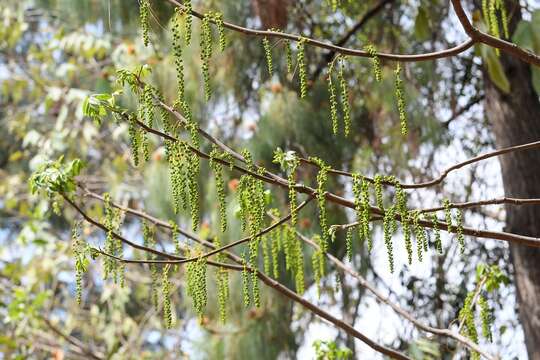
x=339 y=49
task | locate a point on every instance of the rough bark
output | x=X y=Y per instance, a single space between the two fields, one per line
x=272 y=13
x=515 y=118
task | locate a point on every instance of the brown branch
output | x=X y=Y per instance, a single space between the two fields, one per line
x=72 y=340
x=473 y=101
x=363 y=282
x=486 y=234
x=444 y=174
x=264 y=278
x=281 y=181
x=384 y=299
x=234 y=243
x=116 y=235
x=339 y=49
x=509 y=237
x=498 y=201
x=363 y=20
x=481 y=37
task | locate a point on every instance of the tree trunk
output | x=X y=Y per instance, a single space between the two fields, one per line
x=516 y=120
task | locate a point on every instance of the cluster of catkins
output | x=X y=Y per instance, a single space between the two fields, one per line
x=185 y=167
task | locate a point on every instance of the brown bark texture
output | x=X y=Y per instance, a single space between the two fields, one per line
x=515 y=118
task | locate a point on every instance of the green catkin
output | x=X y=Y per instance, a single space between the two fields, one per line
x=322 y=180
x=196 y=285
x=145 y=146
x=178 y=177
x=400 y=96
x=80 y=260
x=275 y=247
x=322 y=259
x=149 y=241
x=299 y=275
x=175 y=237
x=287 y=249
x=268 y=55
x=366 y=209
x=148 y=105
x=388 y=231
x=485 y=316
x=253 y=262
x=317 y=262
x=218 y=19
x=294 y=258
x=401 y=197
x=166 y=294
x=144 y=12
x=401 y=202
x=375 y=61
x=223 y=293
x=504 y=20
x=243 y=201
x=206 y=54
x=222 y=279
x=333 y=99
x=193 y=187
x=301 y=59
x=485 y=12
x=291 y=179
x=288 y=55
x=266 y=255
x=275 y=259
x=177 y=52
x=229 y=159
x=146 y=114
x=379 y=191
x=134 y=139
x=245 y=282
x=167 y=126
x=257 y=211
x=493 y=22
x=437 y=232
x=345 y=105
x=357 y=193
x=405 y=223
x=220 y=188
x=109 y=263
x=251 y=198
x=119 y=251
x=193 y=169
x=467 y=316
x=459 y=231
x=348 y=242
x=419 y=234
x=448 y=214
x=188 y=22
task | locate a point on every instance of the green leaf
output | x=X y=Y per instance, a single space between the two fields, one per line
x=421 y=25
x=495 y=69
x=527 y=35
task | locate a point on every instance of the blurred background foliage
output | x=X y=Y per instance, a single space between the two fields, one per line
x=55 y=53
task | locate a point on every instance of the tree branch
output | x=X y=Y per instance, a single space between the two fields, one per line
x=363 y=20
x=373 y=290
x=339 y=49
x=479 y=36
x=363 y=282
x=264 y=278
